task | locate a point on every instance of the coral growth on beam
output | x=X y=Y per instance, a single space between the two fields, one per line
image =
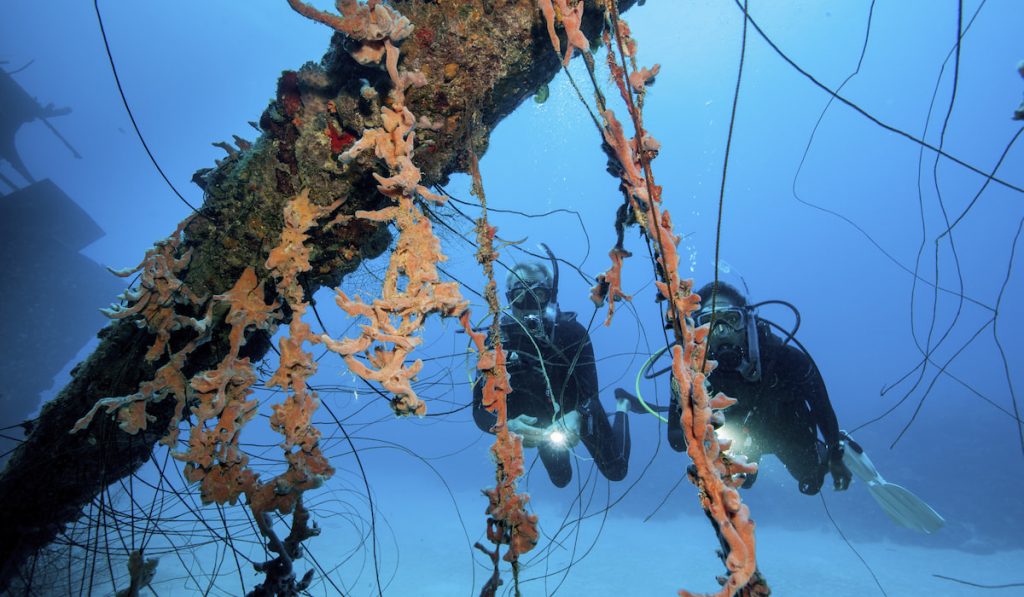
x=715 y=474
x=412 y=288
x=218 y=399
x=159 y=291
x=241 y=219
x=372 y=25
x=609 y=284
x=508 y=521
x=155 y=305
x=293 y=417
x=571 y=17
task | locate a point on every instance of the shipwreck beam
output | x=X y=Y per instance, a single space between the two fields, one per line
x=482 y=58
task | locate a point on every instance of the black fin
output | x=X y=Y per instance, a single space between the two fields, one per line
x=635 y=405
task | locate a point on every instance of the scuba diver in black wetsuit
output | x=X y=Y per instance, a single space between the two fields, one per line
x=553 y=404
x=782 y=401
x=782 y=407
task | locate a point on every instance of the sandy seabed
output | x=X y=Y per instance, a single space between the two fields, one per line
x=424 y=549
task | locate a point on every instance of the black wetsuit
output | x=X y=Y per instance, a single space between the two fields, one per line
x=567 y=356
x=781 y=413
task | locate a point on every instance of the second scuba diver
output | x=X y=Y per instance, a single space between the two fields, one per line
x=782 y=401
x=782 y=407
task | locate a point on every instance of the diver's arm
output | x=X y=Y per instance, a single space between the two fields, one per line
x=825 y=418
x=824 y=415
x=584 y=370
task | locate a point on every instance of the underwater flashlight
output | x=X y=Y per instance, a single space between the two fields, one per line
x=557 y=438
x=727 y=433
x=740 y=440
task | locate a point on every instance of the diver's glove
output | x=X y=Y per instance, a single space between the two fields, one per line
x=564 y=432
x=841 y=475
x=526 y=427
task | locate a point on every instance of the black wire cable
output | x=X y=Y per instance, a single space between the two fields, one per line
x=999 y=345
x=850 y=545
x=980 y=585
x=869 y=116
x=131 y=117
x=927 y=351
x=929 y=347
x=587 y=277
x=725 y=171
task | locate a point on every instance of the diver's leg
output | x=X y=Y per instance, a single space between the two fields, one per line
x=676 y=437
x=556 y=461
x=607 y=442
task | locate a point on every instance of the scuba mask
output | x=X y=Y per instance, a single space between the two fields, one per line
x=532 y=307
x=733 y=341
x=528 y=299
x=732 y=318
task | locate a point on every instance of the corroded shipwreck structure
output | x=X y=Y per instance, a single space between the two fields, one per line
x=407 y=94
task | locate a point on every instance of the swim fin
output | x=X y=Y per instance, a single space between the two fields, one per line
x=638 y=406
x=905 y=508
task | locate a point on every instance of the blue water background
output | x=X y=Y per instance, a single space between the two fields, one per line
x=196 y=72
